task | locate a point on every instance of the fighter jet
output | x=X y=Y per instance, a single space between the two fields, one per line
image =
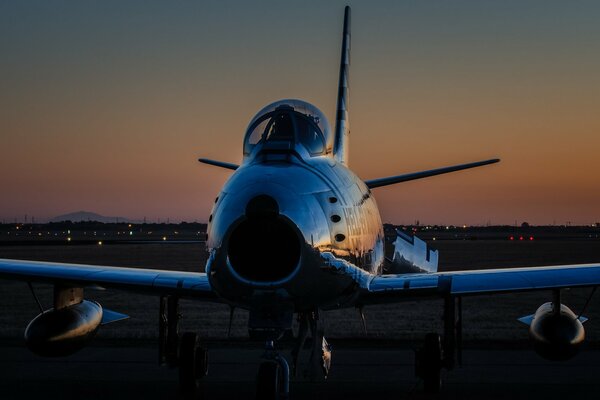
x=294 y=232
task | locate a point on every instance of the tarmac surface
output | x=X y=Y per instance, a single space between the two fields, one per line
x=359 y=371
x=121 y=363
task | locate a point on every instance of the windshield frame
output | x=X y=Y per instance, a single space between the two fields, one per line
x=297 y=140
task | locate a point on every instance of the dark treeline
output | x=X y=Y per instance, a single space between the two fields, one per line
x=101 y=233
x=96 y=225
x=90 y=231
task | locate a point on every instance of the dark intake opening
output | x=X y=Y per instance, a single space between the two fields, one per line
x=264 y=247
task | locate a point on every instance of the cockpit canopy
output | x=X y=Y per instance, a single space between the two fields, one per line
x=287 y=124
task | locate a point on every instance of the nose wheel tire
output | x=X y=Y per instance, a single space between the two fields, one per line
x=268 y=381
x=193 y=364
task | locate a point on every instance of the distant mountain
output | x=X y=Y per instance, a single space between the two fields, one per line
x=87 y=216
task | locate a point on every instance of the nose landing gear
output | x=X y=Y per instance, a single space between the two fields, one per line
x=269 y=322
x=273 y=378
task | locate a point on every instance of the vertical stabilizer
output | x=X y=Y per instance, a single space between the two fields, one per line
x=342 y=124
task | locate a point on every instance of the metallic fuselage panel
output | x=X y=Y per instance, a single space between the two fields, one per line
x=333 y=211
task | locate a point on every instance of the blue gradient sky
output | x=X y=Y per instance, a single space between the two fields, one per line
x=105 y=106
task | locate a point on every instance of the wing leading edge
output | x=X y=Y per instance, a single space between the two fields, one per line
x=391 y=288
x=151 y=281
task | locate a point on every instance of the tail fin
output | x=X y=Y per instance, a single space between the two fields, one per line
x=342 y=124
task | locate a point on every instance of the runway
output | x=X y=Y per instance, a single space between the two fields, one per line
x=359 y=370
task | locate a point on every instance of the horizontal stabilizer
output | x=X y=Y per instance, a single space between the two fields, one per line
x=109 y=316
x=219 y=163
x=390 y=180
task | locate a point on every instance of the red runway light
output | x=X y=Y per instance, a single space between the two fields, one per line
x=530 y=237
x=520 y=237
x=512 y=238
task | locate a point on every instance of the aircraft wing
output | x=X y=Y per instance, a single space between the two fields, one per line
x=151 y=281
x=390 y=288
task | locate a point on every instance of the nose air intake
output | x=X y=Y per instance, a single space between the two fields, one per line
x=264 y=247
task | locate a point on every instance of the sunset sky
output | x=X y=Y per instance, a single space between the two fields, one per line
x=106 y=106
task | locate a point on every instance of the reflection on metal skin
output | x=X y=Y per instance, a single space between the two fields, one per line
x=556 y=336
x=59 y=333
x=290 y=216
x=412 y=255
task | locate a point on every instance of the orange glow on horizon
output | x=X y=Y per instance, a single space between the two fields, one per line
x=110 y=114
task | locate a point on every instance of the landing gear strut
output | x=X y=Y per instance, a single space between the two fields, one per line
x=438 y=352
x=193 y=363
x=273 y=378
x=429 y=362
x=168 y=331
x=182 y=351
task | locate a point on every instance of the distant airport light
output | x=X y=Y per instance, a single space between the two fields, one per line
x=512 y=238
x=130 y=233
x=100 y=243
x=521 y=238
x=68 y=239
x=530 y=237
x=164 y=238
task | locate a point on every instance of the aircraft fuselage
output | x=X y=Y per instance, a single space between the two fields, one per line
x=275 y=218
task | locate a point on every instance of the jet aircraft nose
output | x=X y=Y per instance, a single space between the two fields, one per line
x=266 y=223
